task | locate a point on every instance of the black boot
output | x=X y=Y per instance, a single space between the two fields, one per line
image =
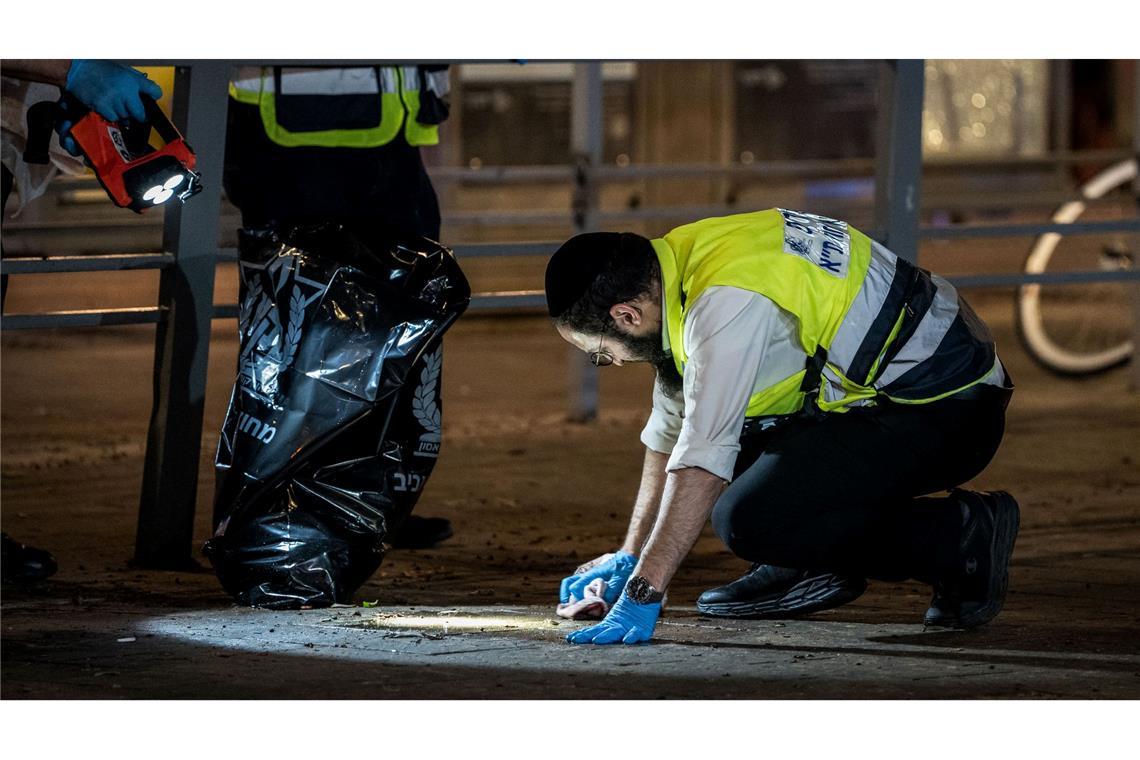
x=25 y=564
x=421 y=532
x=767 y=592
x=974 y=592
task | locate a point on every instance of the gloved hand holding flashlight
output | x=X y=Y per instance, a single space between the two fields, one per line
x=110 y=89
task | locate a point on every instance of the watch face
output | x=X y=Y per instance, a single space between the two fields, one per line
x=642 y=591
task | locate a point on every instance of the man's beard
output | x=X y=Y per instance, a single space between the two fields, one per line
x=647 y=348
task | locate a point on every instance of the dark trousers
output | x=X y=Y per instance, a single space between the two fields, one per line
x=846 y=493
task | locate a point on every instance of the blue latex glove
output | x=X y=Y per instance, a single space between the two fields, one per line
x=111 y=90
x=615 y=571
x=627 y=622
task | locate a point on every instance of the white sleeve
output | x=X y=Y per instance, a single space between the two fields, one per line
x=728 y=332
x=664 y=425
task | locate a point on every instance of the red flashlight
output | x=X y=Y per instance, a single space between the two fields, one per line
x=134 y=173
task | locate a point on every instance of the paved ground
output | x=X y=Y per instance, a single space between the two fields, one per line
x=94 y=650
x=531 y=496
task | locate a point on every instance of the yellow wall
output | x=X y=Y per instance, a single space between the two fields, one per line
x=163 y=76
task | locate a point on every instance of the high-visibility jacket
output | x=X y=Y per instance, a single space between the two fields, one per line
x=873 y=325
x=345 y=107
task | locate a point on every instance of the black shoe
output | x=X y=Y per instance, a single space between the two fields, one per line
x=975 y=592
x=767 y=592
x=421 y=532
x=25 y=564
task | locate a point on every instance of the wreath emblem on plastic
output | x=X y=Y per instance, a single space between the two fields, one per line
x=295 y=328
x=425 y=407
x=271 y=344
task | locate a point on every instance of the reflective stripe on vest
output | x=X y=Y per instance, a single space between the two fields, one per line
x=414 y=132
x=889 y=328
x=383 y=98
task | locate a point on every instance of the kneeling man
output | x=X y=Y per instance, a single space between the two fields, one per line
x=812 y=389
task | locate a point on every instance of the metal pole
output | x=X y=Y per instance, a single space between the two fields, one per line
x=1061 y=87
x=898 y=156
x=182 y=339
x=586 y=143
x=1135 y=289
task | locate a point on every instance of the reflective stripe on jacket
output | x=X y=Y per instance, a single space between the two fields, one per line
x=355 y=107
x=873 y=325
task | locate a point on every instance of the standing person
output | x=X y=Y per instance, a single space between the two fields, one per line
x=115 y=92
x=313 y=145
x=811 y=388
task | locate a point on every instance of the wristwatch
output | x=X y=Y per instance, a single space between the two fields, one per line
x=641 y=591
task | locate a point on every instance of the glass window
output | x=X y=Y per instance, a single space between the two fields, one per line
x=789 y=110
x=985 y=107
x=514 y=114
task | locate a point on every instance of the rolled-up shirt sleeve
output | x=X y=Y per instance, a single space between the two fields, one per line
x=664 y=425
x=728 y=333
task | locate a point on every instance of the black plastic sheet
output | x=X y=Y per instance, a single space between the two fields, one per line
x=334 y=421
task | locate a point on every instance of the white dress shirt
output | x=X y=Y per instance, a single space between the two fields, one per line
x=739 y=342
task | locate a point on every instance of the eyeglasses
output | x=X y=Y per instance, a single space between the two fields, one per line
x=601 y=358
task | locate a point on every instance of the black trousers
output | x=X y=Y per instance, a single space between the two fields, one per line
x=846 y=493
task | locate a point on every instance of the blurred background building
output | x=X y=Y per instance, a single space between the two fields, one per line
x=991 y=131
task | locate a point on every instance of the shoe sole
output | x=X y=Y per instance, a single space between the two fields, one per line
x=1007 y=521
x=809 y=595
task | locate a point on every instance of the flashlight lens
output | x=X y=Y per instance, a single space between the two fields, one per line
x=162 y=193
x=158 y=194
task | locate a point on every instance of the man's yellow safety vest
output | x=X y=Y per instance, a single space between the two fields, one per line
x=353 y=107
x=873 y=325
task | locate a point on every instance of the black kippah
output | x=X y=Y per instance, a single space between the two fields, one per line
x=576 y=264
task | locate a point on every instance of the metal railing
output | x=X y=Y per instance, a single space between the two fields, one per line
x=182 y=320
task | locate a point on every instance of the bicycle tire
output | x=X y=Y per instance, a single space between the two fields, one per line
x=1028 y=318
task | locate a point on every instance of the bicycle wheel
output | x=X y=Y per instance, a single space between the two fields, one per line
x=1082 y=329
